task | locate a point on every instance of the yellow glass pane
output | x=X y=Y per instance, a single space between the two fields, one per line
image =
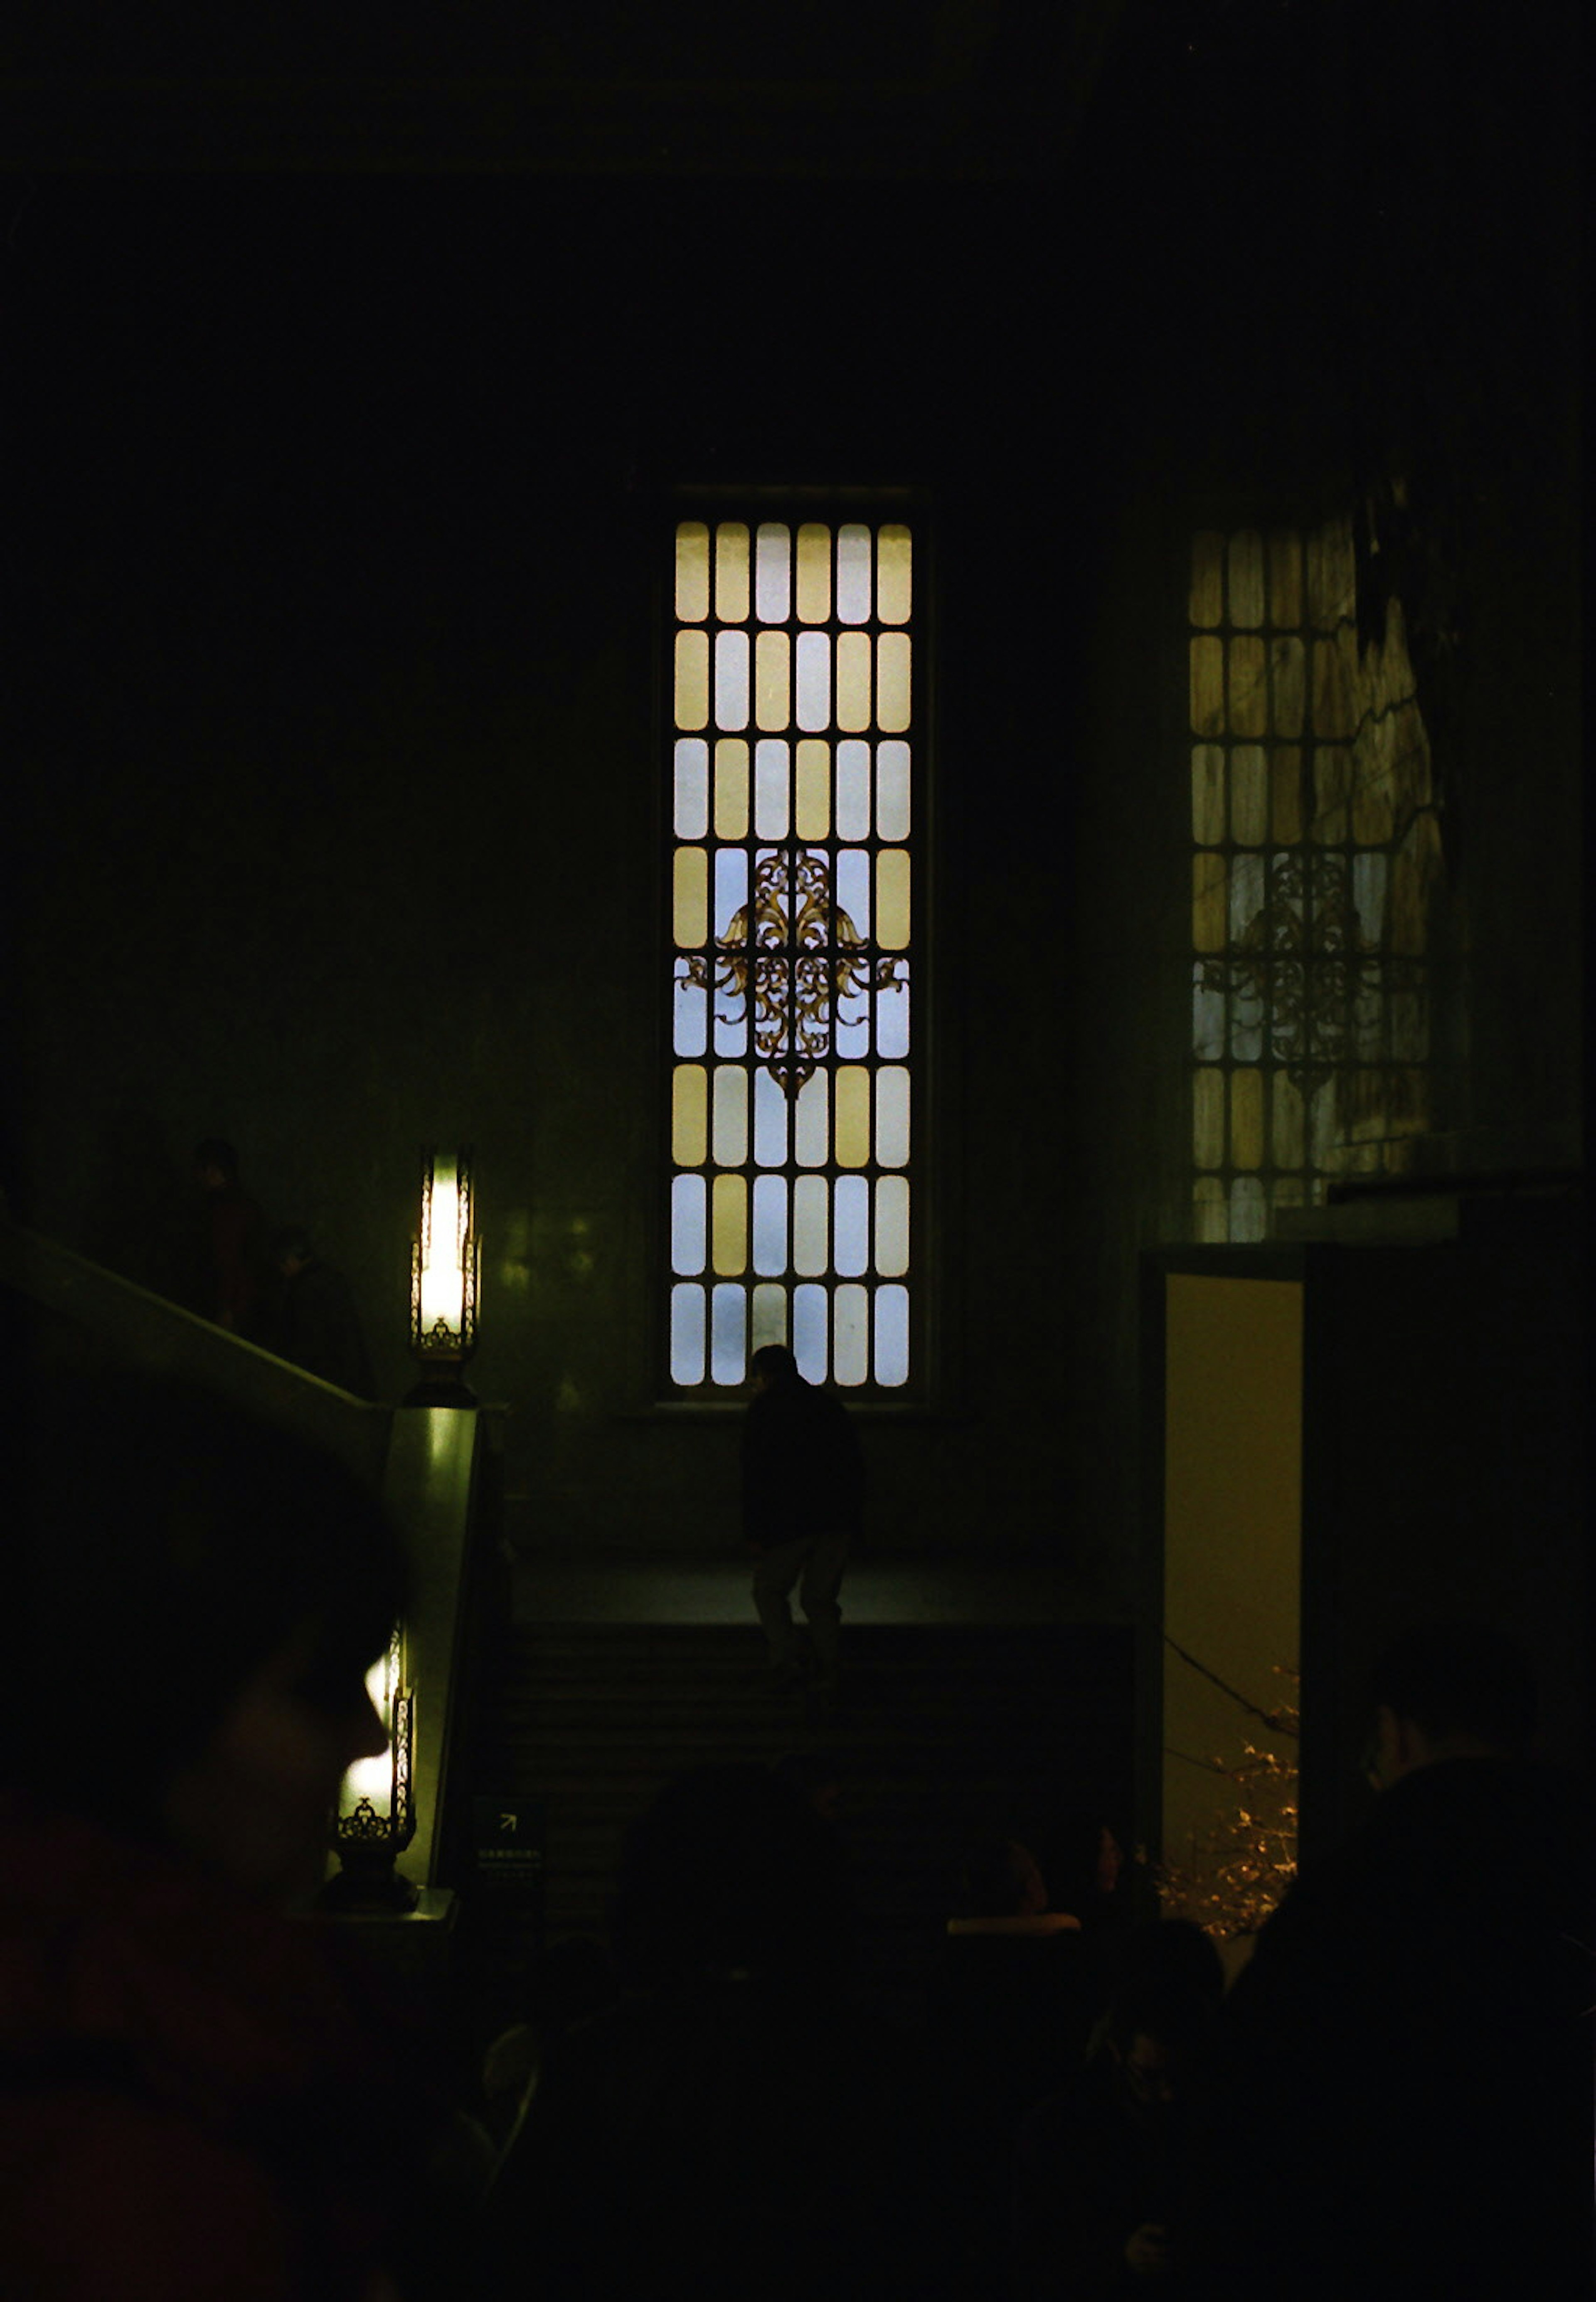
x=893 y=585
x=690 y=906
x=1288 y=1131
x=1335 y=685
x=814 y=573
x=1285 y=793
x=1208 y=907
x=729 y=1136
x=814 y=788
x=854 y=681
x=1330 y=574
x=892 y=681
x=1288 y=681
x=852 y=1115
x=772 y=679
x=892 y=1226
x=1207 y=794
x=731 y=573
x=1246 y=579
x=1332 y=785
x=693 y=572
x=892 y=899
x=731 y=789
x=1207 y=687
x=892 y=1116
x=692 y=679
x=1207 y=580
x=1208 y=1118
x=1249 y=794
x=1247 y=686
x=689 y=1115
x=728 y=1226
x=1285 y=579
x=1247 y=1118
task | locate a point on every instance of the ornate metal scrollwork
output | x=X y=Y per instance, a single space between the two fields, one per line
x=794 y=955
x=1299 y=957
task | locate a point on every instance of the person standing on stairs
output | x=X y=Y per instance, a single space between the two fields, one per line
x=803 y=1503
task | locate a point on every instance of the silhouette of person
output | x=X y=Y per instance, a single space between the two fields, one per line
x=802 y=1500
x=317 y=1325
x=1407 y=2107
x=232 y=1274
x=199 y=2092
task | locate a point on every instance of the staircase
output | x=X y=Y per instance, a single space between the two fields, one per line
x=947 y=1729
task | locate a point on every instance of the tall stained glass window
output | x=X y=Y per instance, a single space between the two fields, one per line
x=792 y=783
x=1315 y=848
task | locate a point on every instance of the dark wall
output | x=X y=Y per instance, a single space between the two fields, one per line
x=338 y=777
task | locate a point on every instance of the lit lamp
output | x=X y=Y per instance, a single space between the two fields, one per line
x=443 y=1274
x=376 y=1813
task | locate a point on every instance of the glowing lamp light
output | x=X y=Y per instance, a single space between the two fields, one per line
x=444 y=1263
x=376 y=1813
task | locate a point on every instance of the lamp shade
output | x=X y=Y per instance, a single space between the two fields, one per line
x=445 y=1262
x=376 y=1811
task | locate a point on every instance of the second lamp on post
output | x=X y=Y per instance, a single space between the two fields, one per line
x=443 y=1276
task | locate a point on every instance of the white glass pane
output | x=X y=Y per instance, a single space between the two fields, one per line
x=772 y=786
x=731 y=680
x=770 y=1223
x=731 y=886
x=687 y=1224
x=852 y=883
x=850 y=1253
x=814 y=681
x=693 y=788
x=1245 y=894
x=1207 y=1019
x=849 y=1342
x=811 y=1210
x=892 y=790
x=852 y=790
x=812 y=1121
x=1249 y=1215
x=811 y=1324
x=692 y=1016
x=728 y=1334
x=892 y=1226
x=687 y=1334
x=773 y=573
x=852 y=573
x=730 y=1130
x=892 y=1018
x=770 y=1317
x=771 y=1118
x=850 y=1025
x=1370 y=878
x=892 y=1335
x=892 y=1118
x=731 y=1024
x=693 y=572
